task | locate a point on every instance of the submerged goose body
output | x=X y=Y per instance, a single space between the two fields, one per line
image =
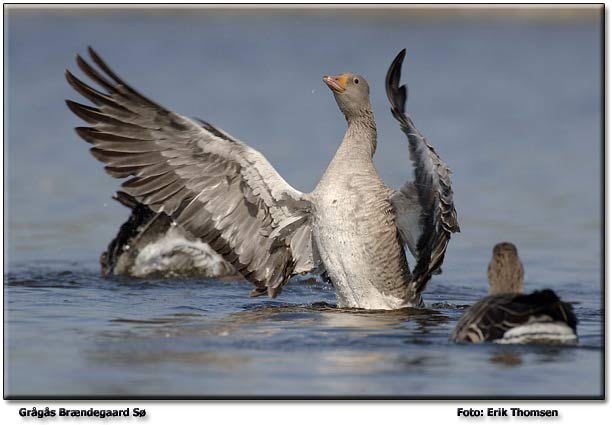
x=149 y=245
x=220 y=192
x=510 y=317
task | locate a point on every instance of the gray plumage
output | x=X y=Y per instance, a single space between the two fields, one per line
x=226 y=194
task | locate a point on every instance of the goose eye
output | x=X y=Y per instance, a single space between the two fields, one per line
x=356 y=80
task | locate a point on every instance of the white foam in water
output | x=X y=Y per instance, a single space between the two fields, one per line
x=540 y=332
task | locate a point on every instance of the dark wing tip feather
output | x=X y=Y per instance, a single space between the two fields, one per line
x=120 y=82
x=126 y=199
x=71 y=79
x=86 y=113
x=86 y=133
x=258 y=292
x=73 y=106
x=395 y=92
x=92 y=73
x=80 y=111
x=94 y=55
x=103 y=66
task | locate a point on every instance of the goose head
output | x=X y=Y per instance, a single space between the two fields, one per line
x=505 y=270
x=352 y=94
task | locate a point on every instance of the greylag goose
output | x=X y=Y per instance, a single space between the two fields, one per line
x=352 y=227
x=508 y=316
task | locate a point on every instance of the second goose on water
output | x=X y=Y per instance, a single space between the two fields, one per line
x=509 y=316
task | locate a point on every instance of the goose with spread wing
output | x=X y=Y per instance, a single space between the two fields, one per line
x=220 y=191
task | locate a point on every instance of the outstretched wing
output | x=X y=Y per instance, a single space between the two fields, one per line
x=425 y=213
x=216 y=187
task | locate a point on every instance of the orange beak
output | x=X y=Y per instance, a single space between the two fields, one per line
x=337 y=83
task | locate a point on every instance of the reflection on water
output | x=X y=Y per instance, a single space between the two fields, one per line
x=280 y=328
x=330 y=316
x=507 y=359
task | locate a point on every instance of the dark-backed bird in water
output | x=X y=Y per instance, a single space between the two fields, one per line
x=509 y=316
x=149 y=245
x=219 y=191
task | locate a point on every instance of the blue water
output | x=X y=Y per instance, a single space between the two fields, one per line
x=512 y=105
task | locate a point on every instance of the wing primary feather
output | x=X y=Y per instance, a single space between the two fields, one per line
x=104 y=67
x=94 y=75
x=93 y=136
x=395 y=92
x=92 y=94
x=96 y=117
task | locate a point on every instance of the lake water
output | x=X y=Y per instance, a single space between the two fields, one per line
x=512 y=105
